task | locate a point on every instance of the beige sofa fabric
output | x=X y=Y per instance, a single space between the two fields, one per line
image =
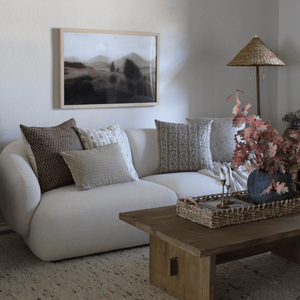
x=20 y=191
x=68 y=223
x=187 y=183
x=144 y=150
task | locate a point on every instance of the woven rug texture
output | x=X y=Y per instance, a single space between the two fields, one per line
x=123 y=274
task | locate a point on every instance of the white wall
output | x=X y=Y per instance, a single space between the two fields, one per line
x=289 y=50
x=29 y=59
x=220 y=30
x=198 y=38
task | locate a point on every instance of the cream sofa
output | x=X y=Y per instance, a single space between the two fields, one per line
x=63 y=222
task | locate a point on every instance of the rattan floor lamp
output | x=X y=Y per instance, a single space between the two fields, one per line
x=257 y=54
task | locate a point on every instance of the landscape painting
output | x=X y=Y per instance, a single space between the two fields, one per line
x=101 y=69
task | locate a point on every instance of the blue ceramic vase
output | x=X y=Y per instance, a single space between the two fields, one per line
x=258 y=181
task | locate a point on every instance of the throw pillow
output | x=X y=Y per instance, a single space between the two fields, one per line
x=93 y=138
x=222 y=142
x=97 y=167
x=44 y=145
x=183 y=147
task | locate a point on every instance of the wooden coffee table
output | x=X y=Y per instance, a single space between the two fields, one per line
x=184 y=255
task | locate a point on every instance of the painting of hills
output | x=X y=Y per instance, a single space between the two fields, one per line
x=108 y=77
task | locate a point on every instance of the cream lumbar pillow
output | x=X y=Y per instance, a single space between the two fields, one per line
x=97 y=167
x=93 y=138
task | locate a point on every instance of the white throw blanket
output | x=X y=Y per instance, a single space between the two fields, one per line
x=238 y=176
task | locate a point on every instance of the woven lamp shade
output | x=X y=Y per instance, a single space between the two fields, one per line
x=256 y=53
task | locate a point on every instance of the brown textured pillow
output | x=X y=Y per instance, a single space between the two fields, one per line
x=44 y=145
x=183 y=147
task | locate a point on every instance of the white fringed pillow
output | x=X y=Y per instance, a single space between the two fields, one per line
x=93 y=138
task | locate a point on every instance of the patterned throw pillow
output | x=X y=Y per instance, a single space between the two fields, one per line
x=222 y=142
x=183 y=147
x=44 y=145
x=97 y=167
x=93 y=138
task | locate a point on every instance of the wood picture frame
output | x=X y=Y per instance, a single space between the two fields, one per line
x=104 y=68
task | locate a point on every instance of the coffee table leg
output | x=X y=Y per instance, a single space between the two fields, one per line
x=181 y=274
x=291 y=253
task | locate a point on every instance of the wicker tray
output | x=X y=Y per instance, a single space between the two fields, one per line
x=190 y=208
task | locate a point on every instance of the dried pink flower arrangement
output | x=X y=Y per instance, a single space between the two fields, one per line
x=259 y=147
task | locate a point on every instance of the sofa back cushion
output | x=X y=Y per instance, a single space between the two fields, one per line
x=143 y=143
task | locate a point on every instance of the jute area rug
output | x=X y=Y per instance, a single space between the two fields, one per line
x=123 y=274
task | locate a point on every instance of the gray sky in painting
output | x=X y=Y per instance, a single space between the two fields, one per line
x=85 y=46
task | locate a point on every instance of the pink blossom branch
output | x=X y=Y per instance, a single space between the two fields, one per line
x=259 y=146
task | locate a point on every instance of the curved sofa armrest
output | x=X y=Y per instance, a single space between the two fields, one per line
x=20 y=191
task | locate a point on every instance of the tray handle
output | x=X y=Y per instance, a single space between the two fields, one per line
x=190 y=199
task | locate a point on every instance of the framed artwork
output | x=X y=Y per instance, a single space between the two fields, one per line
x=100 y=68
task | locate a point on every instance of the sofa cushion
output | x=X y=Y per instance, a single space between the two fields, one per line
x=44 y=145
x=69 y=224
x=93 y=138
x=144 y=150
x=97 y=167
x=222 y=134
x=183 y=147
x=187 y=183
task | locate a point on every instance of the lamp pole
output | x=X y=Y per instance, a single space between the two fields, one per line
x=258 y=90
